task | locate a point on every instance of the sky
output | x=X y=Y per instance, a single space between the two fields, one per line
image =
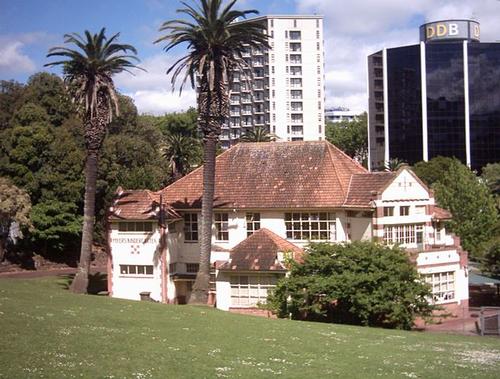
x=353 y=29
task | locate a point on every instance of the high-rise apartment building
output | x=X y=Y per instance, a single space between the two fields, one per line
x=438 y=98
x=282 y=89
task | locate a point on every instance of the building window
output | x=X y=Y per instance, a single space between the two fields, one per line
x=317 y=33
x=221 y=226
x=317 y=23
x=404 y=211
x=253 y=223
x=192 y=267
x=403 y=234
x=317 y=46
x=310 y=226
x=249 y=291
x=135 y=226
x=136 y=270
x=295 y=34
x=442 y=284
x=295 y=46
x=294 y=23
x=388 y=211
x=190 y=227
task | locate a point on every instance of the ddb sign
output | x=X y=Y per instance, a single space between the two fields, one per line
x=450 y=30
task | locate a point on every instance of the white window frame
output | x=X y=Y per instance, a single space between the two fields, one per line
x=252 y=222
x=127 y=270
x=402 y=234
x=443 y=285
x=311 y=226
x=191 y=227
x=247 y=291
x=135 y=227
x=221 y=222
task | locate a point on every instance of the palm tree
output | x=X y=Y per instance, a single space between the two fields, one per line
x=215 y=43
x=394 y=164
x=88 y=72
x=258 y=134
x=181 y=152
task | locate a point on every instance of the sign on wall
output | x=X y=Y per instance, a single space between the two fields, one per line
x=450 y=30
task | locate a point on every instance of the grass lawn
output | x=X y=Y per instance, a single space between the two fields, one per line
x=45 y=331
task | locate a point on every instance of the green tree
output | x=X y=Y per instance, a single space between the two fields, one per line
x=490 y=257
x=360 y=283
x=257 y=134
x=88 y=71
x=15 y=207
x=432 y=171
x=11 y=94
x=475 y=216
x=394 y=164
x=491 y=177
x=215 y=43
x=181 y=152
x=350 y=137
x=56 y=225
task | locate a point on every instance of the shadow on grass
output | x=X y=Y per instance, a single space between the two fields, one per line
x=98 y=282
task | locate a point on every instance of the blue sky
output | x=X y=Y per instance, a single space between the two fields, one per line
x=353 y=29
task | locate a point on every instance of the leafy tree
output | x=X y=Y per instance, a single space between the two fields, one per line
x=11 y=94
x=88 y=72
x=257 y=134
x=55 y=224
x=432 y=171
x=215 y=43
x=473 y=208
x=394 y=164
x=181 y=153
x=490 y=260
x=360 y=283
x=491 y=177
x=350 y=137
x=15 y=207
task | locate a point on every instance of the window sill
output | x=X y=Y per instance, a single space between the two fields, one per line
x=136 y=276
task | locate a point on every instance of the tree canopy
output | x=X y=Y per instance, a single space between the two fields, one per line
x=361 y=283
x=351 y=137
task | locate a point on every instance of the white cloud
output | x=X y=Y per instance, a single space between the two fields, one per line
x=162 y=101
x=356 y=28
x=152 y=89
x=13 y=60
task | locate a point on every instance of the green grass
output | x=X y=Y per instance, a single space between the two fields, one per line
x=45 y=331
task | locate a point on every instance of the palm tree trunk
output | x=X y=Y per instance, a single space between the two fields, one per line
x=2 y=249
x=201 y=285
x=81 y=281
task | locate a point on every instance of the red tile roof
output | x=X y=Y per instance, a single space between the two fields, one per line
x=259 y=252
x=363 y=188
x=313 y=174
x=441 y=214
x=138 y=205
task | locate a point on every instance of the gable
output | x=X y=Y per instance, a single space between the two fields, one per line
x=405 y=186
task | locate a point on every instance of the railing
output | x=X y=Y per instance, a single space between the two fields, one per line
x=489 y=321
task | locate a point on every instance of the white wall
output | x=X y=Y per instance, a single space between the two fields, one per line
x=135 y=248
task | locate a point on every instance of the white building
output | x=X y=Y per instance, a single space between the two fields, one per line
x=340 y=114
x=273 y=198
x=284 y=92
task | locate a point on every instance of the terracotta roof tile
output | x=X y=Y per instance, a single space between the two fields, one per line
x=138 y=205
x=441 y=214
x=259 y=252
x=309 y=174
x=363 y=188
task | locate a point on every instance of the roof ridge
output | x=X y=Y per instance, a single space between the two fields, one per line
x=335 y=169
x=198 y=168
x=348 y=190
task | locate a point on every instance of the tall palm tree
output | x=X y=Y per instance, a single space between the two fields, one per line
x=181 y=152
x=394 y=164
x=88 y=72
x=215 y=43
x=258 y=134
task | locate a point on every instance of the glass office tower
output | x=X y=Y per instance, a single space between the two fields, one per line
x=438 y=98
